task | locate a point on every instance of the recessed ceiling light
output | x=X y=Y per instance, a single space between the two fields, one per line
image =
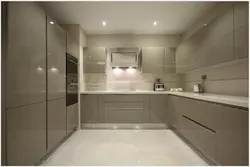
x=155 y=23
x=104 y=23
x=51 y=22
x=205 y=24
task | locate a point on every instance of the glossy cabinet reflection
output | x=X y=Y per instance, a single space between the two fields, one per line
x=26 y=68
x=94 y=60
x=56 y=127
x=56 y=60
x=26 y=134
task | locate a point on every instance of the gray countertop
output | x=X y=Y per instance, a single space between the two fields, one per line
x=239 y=101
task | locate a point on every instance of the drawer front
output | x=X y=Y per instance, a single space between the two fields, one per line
x=129 y=105
x=125 y=116
x=124 y=97
x=199 y=136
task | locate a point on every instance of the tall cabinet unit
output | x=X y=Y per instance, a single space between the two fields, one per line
x=26 y=84
x=56 y=83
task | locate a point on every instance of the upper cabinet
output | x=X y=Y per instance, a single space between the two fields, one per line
x=73 y=39
x=56 y=60
x=153 y=60
x=26 y=59
x=221 y=39
x=169 y=66
x=240 y=14
x=241 y=29
x=94 y=60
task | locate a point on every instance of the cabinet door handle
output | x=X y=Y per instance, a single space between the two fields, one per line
x=199 y=124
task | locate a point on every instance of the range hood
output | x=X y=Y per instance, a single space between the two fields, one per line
x=125 y=57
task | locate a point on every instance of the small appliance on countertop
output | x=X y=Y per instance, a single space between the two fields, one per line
x=158 y=86
x=199 y=87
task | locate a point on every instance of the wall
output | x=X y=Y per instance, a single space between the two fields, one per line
x=217 y=45
x=125 y=80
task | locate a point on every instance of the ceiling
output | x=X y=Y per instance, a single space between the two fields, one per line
x=128 y=17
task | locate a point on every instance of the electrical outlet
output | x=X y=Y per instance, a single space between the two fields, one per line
x=204 y=77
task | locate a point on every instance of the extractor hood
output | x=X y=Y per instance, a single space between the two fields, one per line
x=125 y=57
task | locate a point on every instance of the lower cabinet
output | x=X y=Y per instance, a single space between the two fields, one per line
x=56 y=115
x=26 y=134
x=123 y=108
x=72 y=117
x=89 y=108
x=203 y=138
x=219 y=132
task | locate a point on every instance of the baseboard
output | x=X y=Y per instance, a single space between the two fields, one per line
x=124 y=126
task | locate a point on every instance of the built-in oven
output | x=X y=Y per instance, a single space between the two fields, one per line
x=72 y=79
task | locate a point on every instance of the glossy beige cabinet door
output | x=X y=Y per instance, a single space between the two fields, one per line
x=169 y=65
x=158 y=108
x=26 y=134
x=240 y=14
x=241 y=42
x=72 y=117
x=89 y=108
x=56 y=60
x=26 y=68
x=232 y=136
x=94 y=60
x=153 y=59
x=56 y=119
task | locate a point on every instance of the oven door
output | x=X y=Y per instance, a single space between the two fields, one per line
x=72 y=90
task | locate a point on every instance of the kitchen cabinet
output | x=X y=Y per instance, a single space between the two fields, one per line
x=123 y=108
x=240 y=14
x=56 y=122
x=73 y=42
x=157 y=108
x=89 y=108
x=72 y=117
x=153 y=59
x=94 y=60
x=126 y=109
x=241 y=42
x=26 y=59
x=169 y=65
x=56 y=60
x=26 y=134
x=218 y=131
x=211 y=44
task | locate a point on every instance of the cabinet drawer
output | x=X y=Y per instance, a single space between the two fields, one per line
x=199 y=136
x=124 y=97
x=133 y=105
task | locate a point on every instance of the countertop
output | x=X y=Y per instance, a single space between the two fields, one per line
x=239 y=101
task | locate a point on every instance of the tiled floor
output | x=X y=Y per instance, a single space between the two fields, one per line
x=124 y=147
